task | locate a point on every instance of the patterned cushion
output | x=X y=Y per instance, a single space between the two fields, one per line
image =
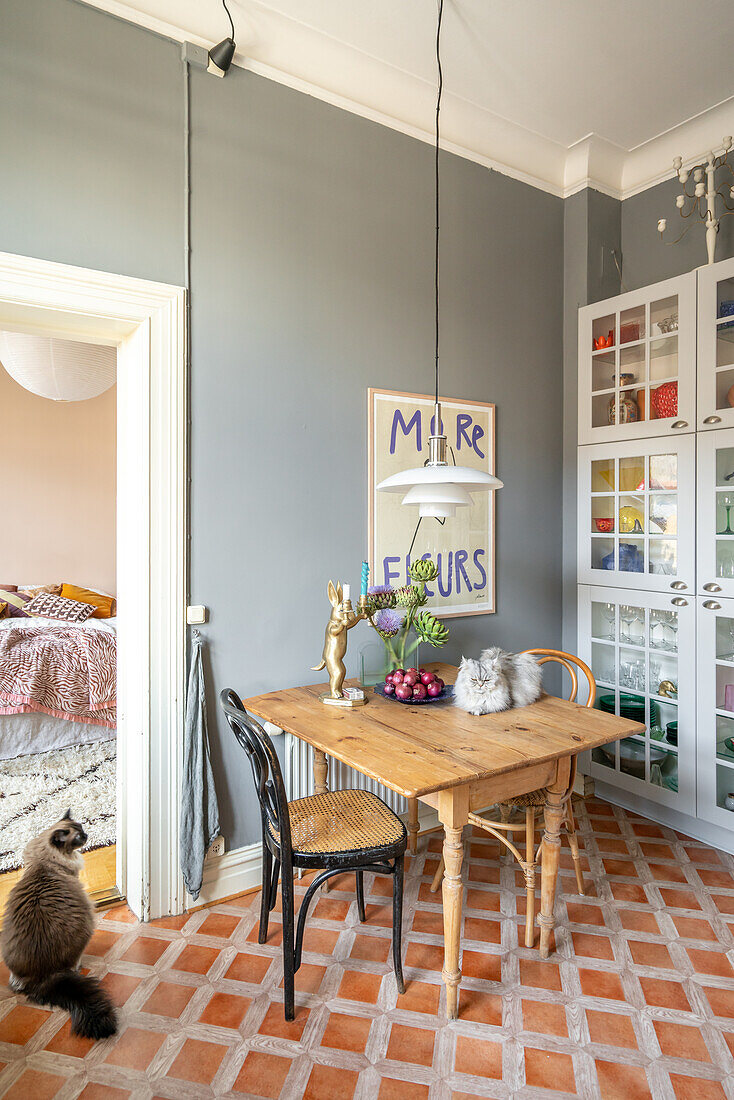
x=16 y=601
x=104 y=606
x=56 y=607
x=37 y=589
x=3 y=609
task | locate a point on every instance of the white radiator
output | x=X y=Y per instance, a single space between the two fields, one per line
x=298 y=775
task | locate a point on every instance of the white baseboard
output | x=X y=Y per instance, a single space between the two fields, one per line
x=230 y=874
x=241 y=869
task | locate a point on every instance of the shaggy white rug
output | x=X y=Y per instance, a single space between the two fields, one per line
x=36 y=791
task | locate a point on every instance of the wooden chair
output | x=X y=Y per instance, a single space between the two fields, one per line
x=340 y=831
x=534 y=802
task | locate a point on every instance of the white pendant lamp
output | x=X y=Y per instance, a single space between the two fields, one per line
x=437 y=488
x=60 y=370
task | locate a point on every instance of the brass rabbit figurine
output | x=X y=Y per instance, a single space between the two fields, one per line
x=342 y=619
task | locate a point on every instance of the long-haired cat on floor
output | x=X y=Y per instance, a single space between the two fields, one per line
x=47 y=924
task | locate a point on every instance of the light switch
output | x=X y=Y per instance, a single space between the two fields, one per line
x=196 y=614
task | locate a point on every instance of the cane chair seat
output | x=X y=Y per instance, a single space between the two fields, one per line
x=534 y=799
x=339 y=821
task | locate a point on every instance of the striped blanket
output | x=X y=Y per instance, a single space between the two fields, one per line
x=58 y=669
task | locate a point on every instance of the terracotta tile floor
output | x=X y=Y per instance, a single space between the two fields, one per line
x=637 y=1000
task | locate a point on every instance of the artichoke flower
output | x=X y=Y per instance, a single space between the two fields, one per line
x=423 y=570
x=429 y=629
x=380 y=596
x=387 y=622
x=409 y=596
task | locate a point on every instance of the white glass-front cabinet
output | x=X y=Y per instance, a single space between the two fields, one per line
x=716 y=711
x=641 y=649
x=716 y=346
x=637 y=363
x=715 y=563
x=636 y=525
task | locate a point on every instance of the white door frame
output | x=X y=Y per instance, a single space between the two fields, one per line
x=147 y=323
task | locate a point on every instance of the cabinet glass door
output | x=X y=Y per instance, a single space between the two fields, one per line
x=715 y=507
x=641 y=649
x=637 y=363
x=715 y=801
x=716 y=345
x=636 y=518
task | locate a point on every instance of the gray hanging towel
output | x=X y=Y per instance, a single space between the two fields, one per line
x=199 y=808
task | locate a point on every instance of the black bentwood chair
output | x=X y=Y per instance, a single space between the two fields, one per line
x=339 y=831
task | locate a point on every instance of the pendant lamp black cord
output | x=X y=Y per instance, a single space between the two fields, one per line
x=438 y=112
x=229 y=16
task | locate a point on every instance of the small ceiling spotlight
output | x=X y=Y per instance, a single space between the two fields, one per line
x=221 y=55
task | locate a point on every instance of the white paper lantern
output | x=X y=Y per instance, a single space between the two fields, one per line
x=61 y=370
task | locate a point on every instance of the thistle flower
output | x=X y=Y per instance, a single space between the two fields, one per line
x=388 y=622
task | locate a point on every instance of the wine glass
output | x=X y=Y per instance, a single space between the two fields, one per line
x=638 y=616
x=673 y=628
x=654 y=624
x=609 y=611
x=626 y=617
x=727 y=500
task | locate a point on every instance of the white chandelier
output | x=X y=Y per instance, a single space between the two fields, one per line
x=60 y=370
x=437 y=488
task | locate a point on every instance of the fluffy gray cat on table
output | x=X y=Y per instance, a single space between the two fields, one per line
x=497 y=681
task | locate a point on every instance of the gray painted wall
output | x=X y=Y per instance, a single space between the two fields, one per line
x=91 y=116
x=646 y=258
x=592 y=227
x=312 y=280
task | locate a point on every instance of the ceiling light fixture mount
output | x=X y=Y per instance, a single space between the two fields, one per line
x=436 y=487
x=222 y=55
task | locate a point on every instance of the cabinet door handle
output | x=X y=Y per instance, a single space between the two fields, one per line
x=712 y=420
x=679 y=424
x=712 y=605
x=678 y=601
x=712 y=587
x=679 y=586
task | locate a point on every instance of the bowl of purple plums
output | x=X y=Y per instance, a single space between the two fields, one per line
x=414 y=685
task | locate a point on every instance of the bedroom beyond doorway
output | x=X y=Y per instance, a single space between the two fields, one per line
x=58 y=614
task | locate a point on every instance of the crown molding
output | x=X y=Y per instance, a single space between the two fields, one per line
x=302 y=58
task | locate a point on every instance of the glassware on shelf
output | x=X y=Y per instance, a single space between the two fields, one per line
x=626 y=618
x=655 y=672
x=638 y=617
x=724 y=559
x=655 y=623
x=727 y=500
x=609 y=614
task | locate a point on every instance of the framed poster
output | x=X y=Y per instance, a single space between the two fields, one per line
x=462 y=546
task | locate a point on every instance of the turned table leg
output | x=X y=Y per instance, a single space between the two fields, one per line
x=554 y=813
x=321 y=784
x=413 y=825
x=453 y=809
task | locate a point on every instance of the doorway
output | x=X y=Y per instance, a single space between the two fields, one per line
x=145 y=322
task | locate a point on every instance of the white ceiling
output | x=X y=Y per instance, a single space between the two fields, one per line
x=564 y=93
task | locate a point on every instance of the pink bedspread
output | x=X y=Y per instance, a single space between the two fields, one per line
x=59 y=669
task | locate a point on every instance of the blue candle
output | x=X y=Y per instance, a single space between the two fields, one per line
x=365 y=578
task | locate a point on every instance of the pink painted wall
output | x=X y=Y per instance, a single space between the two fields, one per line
x=57 y=472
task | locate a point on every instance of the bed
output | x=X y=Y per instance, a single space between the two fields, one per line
x=57 y=684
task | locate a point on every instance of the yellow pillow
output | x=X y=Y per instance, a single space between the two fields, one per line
x=106 y=605
x=3 y=609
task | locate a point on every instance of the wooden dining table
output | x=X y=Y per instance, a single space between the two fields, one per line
x=457 y=763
